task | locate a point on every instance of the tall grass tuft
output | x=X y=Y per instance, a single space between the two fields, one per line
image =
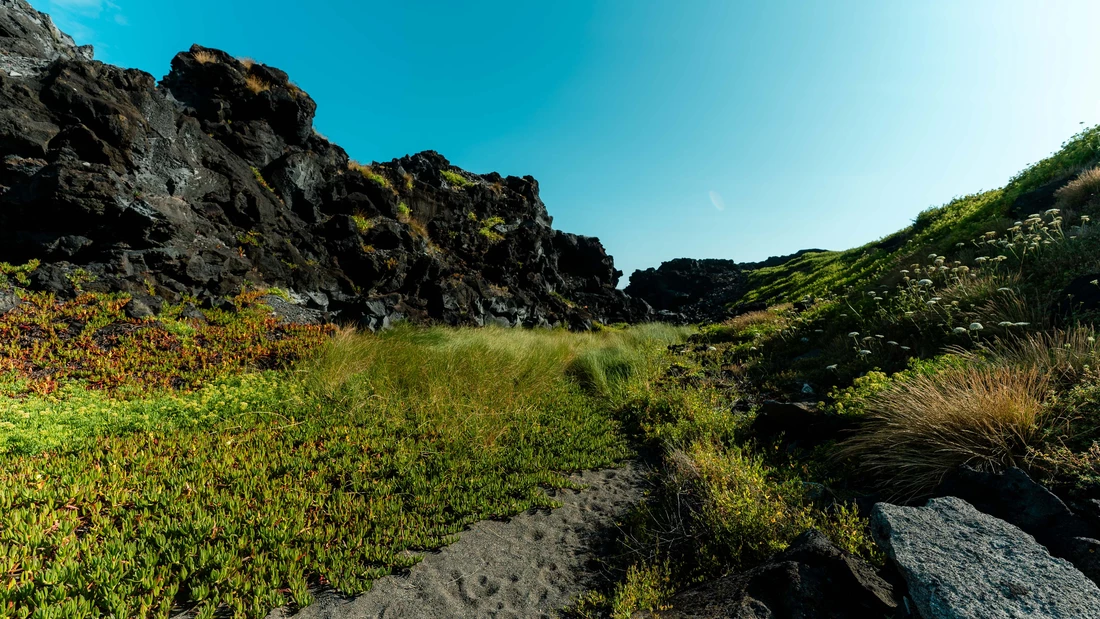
x=1063 y=354
x=484 y=380
x=1081 y=191
x=920 y=429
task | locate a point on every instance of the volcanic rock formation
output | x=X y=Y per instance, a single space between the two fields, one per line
x=214 y=179
x=698 y=290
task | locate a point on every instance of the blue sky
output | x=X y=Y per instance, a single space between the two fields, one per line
x=706 y=128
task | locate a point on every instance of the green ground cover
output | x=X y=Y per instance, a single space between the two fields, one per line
x=237 y=489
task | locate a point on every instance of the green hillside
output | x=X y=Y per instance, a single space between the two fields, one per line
x=937 y=230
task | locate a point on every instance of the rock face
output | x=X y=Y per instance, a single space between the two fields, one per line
x=811 y=579
x=698 y=290
x=214 y=179
x=961 y=563
x=29 y=40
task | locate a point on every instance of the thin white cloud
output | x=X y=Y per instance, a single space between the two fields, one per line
x=79 y=18
x=87 y=8
x=717 y=201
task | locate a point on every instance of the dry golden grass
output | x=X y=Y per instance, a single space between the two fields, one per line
x=204 y=57
x=1062 y=354
x=247 y=62
x=1081 y=191
x=417 y=227
x=771 y=316
x=921 y=429
x=256 y=84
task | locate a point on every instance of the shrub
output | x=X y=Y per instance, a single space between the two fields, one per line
x=1081 y=191
x=456 y=179
x=920 y=429
x=20 y=273
x=744 y=511
x=488 y=232
x=369 y=174
x=362 y=224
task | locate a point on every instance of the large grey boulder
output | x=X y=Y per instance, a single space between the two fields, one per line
x=960 y=563
x=1015 y=498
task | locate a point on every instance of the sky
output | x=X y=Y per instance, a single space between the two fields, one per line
x=698 y=128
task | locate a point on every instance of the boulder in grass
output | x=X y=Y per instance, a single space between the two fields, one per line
x=811 y=579
x=8 y=301
x=960 y=563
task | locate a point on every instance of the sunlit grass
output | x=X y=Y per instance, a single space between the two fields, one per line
x=239 y=495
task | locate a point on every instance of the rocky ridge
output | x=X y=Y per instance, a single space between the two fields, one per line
x=214 y=180
x=692 y=290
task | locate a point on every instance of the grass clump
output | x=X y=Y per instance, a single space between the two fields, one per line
x=204 y=57
x=487 y=229
x=362 y=224
x=1081 y=191
x=369 y=173
x=261 y=180
x=456 y=179
x=920 y=429
x=256 y=85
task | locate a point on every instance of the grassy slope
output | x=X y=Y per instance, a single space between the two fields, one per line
x=937 y=348
x=937 y=229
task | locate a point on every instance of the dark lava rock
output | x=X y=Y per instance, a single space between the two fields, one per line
x=798 y=423
x=699 y=290
x=1015 y=498
x=213 y=179
x=1039 y=199
x=143 y=306
x=811 y=579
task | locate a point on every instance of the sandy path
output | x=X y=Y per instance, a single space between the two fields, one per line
x=527 y=567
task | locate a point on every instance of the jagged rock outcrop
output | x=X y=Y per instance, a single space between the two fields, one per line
x=960 y=563
x=698 y=290
x=214 y=179
x=811 y=579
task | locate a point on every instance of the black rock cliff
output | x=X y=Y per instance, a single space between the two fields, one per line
x=214 y=179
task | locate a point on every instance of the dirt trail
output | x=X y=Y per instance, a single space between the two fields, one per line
x=527 y=567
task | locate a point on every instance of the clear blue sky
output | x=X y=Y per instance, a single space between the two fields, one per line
x=707 y=128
